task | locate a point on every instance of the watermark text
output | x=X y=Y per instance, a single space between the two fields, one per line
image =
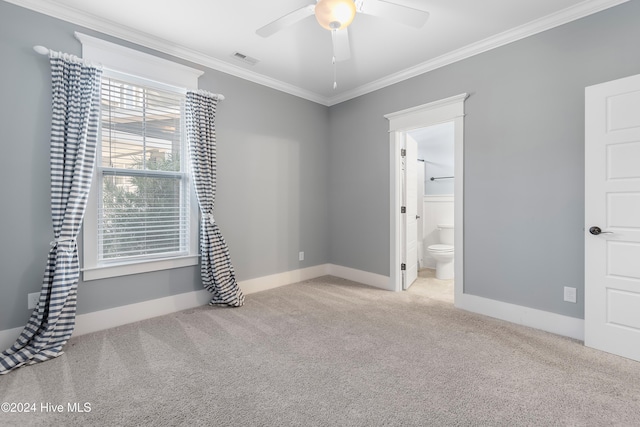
x=45 y=407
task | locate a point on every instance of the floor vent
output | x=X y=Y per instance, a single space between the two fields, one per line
x=244 y=58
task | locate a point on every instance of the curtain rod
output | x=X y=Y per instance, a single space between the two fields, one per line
x=45 y=51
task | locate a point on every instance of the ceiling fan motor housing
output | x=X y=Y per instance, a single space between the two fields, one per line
x=335 y=14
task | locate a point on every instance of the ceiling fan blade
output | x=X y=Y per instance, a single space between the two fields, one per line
x=402 y=14
x=286 y=21
x=341 y=46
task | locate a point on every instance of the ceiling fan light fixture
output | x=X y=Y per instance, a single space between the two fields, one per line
x=335 y=14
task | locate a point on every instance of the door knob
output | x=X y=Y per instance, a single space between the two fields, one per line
x=417 y=216
x=595 y=230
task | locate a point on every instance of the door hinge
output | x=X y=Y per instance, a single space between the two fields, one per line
x=403 y=152
x=403 y=267
x=403 y=209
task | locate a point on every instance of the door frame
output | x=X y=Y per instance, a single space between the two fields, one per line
x=433 y=113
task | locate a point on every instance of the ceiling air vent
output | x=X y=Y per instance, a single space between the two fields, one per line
x=244 y=58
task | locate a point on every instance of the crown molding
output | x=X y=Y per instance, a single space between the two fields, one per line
x=586 y=8
x=114 y=29
x=548 y=22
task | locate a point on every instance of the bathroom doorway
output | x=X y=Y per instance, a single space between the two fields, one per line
x=435 y=211
x=436 y=178
x=401 y=124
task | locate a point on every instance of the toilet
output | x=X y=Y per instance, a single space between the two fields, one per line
x=443 y=252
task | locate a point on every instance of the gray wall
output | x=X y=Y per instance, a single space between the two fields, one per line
x=272 y=176
x=295 y=176
x=524 y=155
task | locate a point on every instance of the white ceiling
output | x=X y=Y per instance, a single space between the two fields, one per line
x=297 y=60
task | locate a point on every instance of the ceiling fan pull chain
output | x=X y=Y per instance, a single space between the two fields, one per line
x=335 y=74
x=333 y=59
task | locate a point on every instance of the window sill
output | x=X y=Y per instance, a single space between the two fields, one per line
x=115 y=270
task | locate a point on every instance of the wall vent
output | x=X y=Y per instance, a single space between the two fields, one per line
x=244 y=58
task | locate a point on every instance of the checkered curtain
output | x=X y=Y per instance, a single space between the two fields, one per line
x=218 y=276
x=74 y=126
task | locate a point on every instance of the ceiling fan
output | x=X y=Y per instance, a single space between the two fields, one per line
x=337 y=15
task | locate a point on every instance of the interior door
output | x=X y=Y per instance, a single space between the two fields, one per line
x=612 y=215
x=411 y=216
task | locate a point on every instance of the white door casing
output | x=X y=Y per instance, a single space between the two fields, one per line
x=612 y=203
x=400 y=122
x=410 y=218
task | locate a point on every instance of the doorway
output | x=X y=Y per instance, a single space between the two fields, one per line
x=436 y=179
x=400 y=123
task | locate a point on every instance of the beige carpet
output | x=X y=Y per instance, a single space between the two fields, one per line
x=328 y=352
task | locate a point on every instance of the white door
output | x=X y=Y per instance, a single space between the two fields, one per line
x=420 y=212
x=411 y=217
x=612 y=215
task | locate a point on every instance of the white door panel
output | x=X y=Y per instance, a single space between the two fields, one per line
x=622 y=160
x=622 y=109
x=626 y=314
x=612 y=202
x=623 y=259
x=623 y=210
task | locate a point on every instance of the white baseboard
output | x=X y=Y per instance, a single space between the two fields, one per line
x=118 y=316
x=544 y=320
x=281 y=279
x=8 y=337
x=364 y=277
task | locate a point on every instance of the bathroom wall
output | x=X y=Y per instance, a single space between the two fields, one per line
x=436 y=210
x=435 y=147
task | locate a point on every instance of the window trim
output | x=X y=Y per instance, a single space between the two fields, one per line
x=151 y=71
x=136 y=63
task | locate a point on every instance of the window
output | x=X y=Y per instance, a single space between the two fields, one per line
x=142 y=213
x=142 y=169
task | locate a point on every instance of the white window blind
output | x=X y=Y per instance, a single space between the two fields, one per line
x=143 y=208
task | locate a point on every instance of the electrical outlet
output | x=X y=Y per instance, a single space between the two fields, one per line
x=32 y=300
x=569 y=294
x=301 y=256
